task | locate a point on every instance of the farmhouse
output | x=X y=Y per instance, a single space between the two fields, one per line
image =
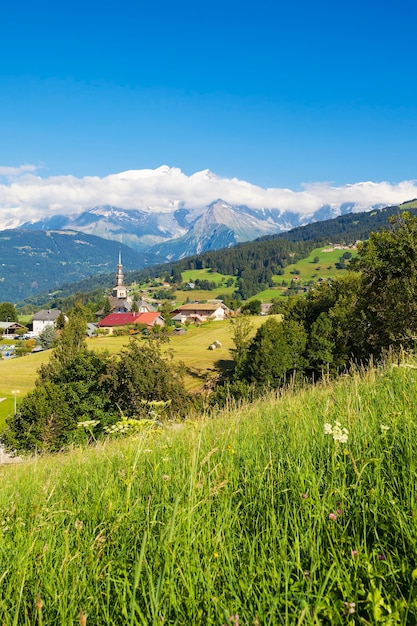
x=44 y=318
x=11 y=328
x=126 y=319
x=196 y=312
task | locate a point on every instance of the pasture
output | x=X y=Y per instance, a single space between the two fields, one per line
x=309 y=271
x=191 y=349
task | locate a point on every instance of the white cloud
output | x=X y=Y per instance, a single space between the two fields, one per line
x=26 y=196
x=7 y=171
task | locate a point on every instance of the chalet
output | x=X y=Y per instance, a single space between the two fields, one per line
x=44 y=318
x=196 y=312
x=126 y=319
x=12 y=328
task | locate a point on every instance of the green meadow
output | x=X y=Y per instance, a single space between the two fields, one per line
x=298 y=509
x=309 y=271
x=190 y=276
x=190 y=349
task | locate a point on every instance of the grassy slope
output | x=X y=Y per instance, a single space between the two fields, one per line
x=191 y=348
x=226 y=517
x=309 y=271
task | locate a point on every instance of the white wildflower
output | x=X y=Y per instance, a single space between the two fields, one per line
x=338 y=433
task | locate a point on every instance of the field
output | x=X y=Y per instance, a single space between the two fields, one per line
x=190 y=348
x=254 y=516
x=200 y=294
x=308 y=271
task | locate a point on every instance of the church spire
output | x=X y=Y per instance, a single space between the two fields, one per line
x=119 y=290
x=119 y=275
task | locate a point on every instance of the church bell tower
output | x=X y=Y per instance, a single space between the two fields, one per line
x=119 y=290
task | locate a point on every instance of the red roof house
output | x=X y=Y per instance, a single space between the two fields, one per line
x=126 y=319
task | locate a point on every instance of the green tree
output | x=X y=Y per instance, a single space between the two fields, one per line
x=388 y=266
x=142 y=374
x=60 y=321
x=106 y=307
x=48 y=336
x=253 y=307
x=242 y=327
x=321 y=344
x=165 y=310
x=8 y=312
x=48 y=417
x=276 y=351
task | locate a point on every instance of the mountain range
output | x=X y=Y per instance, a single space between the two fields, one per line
x=172 y=235
x=67 y=245
x=32 y=262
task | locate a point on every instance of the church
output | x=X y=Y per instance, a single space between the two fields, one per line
x=120 y=300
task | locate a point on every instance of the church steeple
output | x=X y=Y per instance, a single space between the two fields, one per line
x=119 y=275
x=120 y=291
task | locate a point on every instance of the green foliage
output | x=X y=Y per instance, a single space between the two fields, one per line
x=60 y=321
x=66 y=394
x=141 y=374
x=388 y=266
x=8 y=312
x=253 y=307
x=48 y=336
x=106 y=307
x=274 y=354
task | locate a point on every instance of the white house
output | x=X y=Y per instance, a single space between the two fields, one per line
x=196 y=312
x=44 y=318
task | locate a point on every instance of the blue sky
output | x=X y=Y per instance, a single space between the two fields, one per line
x=270 y=92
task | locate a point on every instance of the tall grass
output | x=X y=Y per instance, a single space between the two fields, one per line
x=255 y=516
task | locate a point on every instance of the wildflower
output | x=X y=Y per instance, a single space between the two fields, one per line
x=234 y=619
x=354 y=553
x=304 y=496
x=384 y=428
x=339 y=511
x=333 y=516
x=339 y=434
x=381 y=557
x=165 y=477
x=216 y=555
x=78 y=524
x=350 y=607
x=307 y=574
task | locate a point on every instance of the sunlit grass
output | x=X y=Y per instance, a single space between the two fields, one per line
x=309 y=271
x=254 y=516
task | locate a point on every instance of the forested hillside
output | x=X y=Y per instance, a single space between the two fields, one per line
x=254 y=263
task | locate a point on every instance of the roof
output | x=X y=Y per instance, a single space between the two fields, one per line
x=148 y=318
x=49 y=315
x=206 y=306
x=122 y=319
x=143 y=303
x=7 y=325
